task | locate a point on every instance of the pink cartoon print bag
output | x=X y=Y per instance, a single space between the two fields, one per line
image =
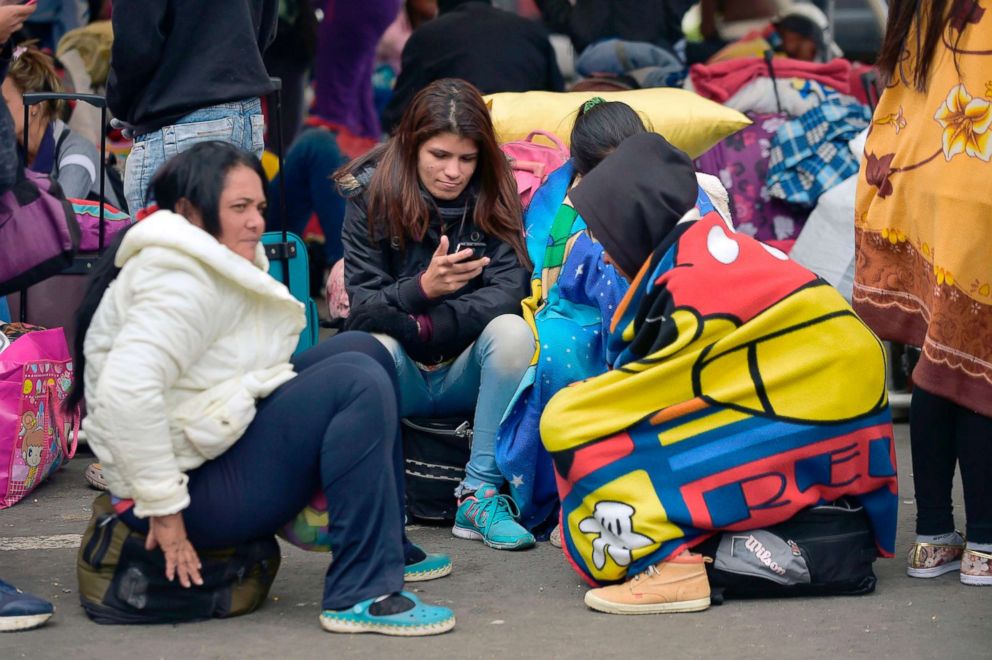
x=35 y=377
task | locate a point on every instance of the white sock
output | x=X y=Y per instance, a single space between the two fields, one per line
x=951 y=538
x=980 y=547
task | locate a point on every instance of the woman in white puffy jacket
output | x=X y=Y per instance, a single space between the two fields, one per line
x=209 y=433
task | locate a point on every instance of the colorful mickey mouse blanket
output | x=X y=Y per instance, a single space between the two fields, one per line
x=743 y=390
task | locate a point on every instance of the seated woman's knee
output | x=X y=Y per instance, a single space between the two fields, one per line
x=394 y=348
x=369 y=345
x=509 y=340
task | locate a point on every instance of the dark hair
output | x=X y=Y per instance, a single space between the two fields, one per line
x=927 y=20
x=599 y=129
x=395 y=203
x=197 y=176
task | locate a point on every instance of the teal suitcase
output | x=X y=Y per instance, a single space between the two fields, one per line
x=288 y=263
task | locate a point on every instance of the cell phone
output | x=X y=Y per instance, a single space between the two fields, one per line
x=478 y=249
x=29 y=2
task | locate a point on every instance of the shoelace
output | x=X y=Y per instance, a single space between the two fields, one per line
x=651 y=571
x=496 y=508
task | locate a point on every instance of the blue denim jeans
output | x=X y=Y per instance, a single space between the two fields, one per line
x=239 y=122
x=483 y=378
x=308 y=167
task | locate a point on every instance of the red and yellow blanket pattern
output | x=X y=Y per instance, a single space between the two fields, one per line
x=743 y=390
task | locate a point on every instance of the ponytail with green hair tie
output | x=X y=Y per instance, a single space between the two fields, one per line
x=592 y=103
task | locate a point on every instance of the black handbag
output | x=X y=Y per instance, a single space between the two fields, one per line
x=435 y=452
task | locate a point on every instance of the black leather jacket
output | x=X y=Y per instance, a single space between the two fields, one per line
x=378 y=270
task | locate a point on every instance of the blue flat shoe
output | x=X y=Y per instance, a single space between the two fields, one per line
x=420 y=621
x=431 y=567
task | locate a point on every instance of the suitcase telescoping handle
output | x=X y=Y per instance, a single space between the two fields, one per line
x=96 y=101
x=284 y=250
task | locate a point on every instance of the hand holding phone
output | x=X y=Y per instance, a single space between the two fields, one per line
x=478 y=249
x=448 y=273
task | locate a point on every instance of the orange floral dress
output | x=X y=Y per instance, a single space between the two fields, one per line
x=923 y=216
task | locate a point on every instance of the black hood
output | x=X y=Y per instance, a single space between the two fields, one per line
x=444 y=6
x=635 y=197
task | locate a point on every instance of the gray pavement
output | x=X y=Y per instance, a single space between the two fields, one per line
x=526 y=604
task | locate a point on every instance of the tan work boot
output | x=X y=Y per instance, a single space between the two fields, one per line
x=677 y=585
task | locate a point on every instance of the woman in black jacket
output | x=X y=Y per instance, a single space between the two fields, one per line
x=436 y=266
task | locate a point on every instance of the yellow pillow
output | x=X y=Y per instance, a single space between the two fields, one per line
x=687 y=120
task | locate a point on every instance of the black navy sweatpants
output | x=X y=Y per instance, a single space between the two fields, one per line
x=334 y=427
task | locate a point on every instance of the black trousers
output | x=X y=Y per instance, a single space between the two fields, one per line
x=334 y=427
x=944 y=434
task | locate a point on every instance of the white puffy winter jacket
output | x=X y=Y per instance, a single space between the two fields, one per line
x=184 y=341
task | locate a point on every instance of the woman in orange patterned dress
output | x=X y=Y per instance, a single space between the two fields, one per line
x=924 y=262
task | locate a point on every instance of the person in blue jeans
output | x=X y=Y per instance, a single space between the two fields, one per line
x=239 y=123
x=307 y=170
x=209 y=434
x=436 y=267
x=184 y=72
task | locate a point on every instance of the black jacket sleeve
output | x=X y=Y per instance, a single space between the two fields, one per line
x=366 y=269
x=139 y=40
x=9 y=161
x=268 y=25
x=556 y=82
x=557 y=15
x=458 y=321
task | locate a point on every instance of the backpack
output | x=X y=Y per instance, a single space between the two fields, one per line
x=121 y=582
x=88 y=216
x=532 y=162
x=821 y=551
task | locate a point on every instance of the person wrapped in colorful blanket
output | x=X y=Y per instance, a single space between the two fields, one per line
x=743 y=389
x=573 y=295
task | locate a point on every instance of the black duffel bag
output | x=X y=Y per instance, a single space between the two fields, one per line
x=435 y=452
x=821 y=551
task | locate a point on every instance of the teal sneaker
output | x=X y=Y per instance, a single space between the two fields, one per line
x=491 y=518
x=420 y=621
x=431 y=567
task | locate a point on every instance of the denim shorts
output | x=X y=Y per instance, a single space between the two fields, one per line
x=239 y=122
